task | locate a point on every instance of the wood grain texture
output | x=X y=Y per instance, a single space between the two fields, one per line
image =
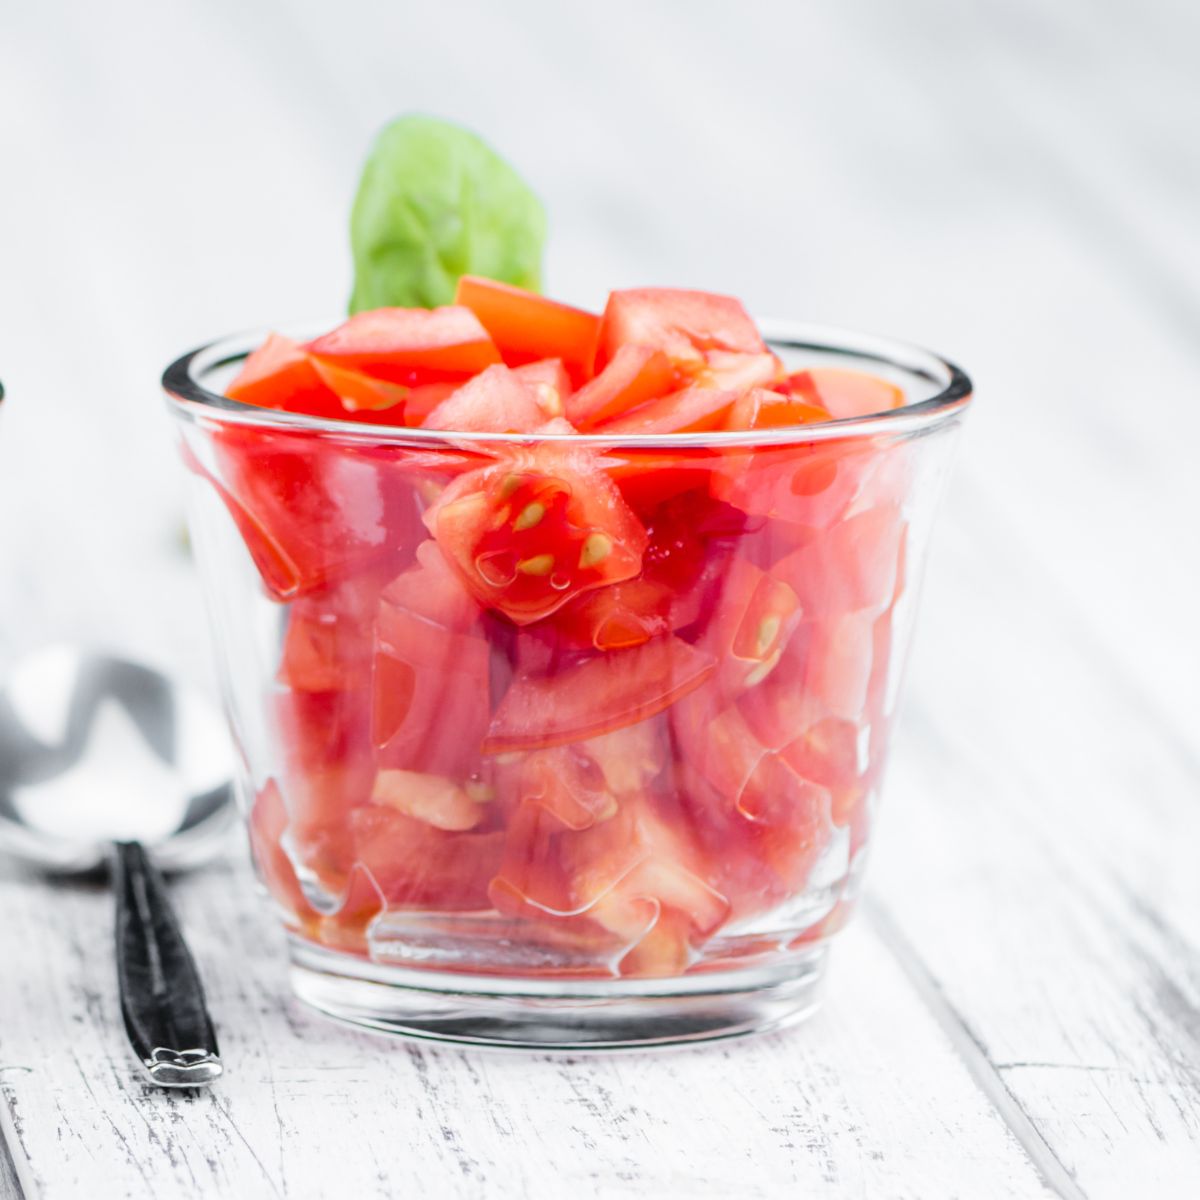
x=1013 y=182
x=841 y=1106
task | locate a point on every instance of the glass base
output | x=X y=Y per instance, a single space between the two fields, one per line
x=558 y=1014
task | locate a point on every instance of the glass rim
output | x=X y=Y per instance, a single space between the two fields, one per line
x=191 y=400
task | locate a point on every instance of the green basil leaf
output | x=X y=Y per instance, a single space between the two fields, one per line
x=436 y=202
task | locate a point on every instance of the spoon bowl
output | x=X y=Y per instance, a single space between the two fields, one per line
x=94 y=750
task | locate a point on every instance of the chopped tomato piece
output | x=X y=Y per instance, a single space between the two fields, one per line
x=495 y=401
x=762 y=409
x=752 y=620
x=279 y=374
x=410 y=345
x=526 y=326
x=432 y=589
x=567 y=783
x=692 y=410
x=635 y=375
x=597 y=696
x=617 y=616
x=850 y=567
x=328 y=643
x=268 y=824
x=536 y=528
x=683 y=324
x=308 y=516
x=845 y=393
x=550 y=381
x=806 y=483
x=738 y=372
x=360 y=393
x=434 y=799
x=418 y=866
x=430 y=699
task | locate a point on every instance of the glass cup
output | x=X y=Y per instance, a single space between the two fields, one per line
x=564 y=741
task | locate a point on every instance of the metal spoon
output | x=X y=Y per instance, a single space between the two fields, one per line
x=99 y=759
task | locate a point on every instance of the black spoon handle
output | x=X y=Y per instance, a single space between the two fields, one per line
x=162 y=999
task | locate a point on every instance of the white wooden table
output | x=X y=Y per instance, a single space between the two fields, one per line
x=1017 y=1010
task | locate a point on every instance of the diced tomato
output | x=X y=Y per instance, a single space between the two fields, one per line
x=279 y=374
x=753 y=618
x=596 y=696
x=328 y=643
x=762 y=409
x=845 y=393
x=431 y=694
x=422 y=400
x=739 y=372
x=840 y=654
x=310 y=514
x=692 y=410
x=359 y=393
x=432 y=589
x=617 y=616
x=635 y=375
x=683 y=324
x=433 y=799
x=660 y=909
x=630 y=757
x=567 y=783
x=418 y=866
x=551 y=383
x=826 y=753
x=624 y=875
x=268 y=824
x=526 y=326
x=536 y=528
x=850 y=567
x=410 y=345
x=495 y=401
x=806 y=483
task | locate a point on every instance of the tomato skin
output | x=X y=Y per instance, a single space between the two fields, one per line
x=598 y=695
x=527 y=327
x=279 y=374
x=495 y=401
x=535 y=528
x=692 y=410
x=683 y=324
x=410 y=345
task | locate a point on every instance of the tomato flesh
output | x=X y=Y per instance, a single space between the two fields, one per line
x=526 y=327
x=535 y=529
x=410 y=345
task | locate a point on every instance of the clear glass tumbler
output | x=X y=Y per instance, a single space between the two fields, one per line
x=564 y=742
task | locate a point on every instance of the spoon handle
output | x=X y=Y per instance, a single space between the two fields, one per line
x=162 y=999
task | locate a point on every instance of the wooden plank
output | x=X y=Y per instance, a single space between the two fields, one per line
x=841 y=1106
x=1040 y=867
